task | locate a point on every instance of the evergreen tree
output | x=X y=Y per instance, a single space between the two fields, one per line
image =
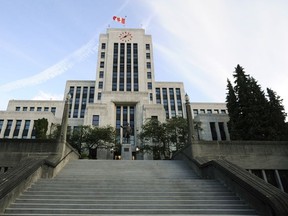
x=252 y=116
x=276 y=117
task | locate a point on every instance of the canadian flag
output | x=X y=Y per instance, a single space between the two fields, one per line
x=119 y=19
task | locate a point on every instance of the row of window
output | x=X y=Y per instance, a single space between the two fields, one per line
x=209 y=111
x=38 y=109
x=167 y=97
x=79 y=101
x=16 y=130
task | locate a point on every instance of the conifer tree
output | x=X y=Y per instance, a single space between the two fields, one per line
x=252 y=115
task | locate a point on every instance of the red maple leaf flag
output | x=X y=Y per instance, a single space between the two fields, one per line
x=119 y=19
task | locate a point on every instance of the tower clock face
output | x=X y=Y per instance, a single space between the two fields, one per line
x=125 y=36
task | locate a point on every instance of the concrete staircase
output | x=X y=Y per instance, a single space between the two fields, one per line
x=95 y=187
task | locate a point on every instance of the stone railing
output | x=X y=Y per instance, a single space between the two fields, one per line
x=265 y=198
x=27 y=171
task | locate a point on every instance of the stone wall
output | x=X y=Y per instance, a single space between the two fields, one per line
x=247 y=154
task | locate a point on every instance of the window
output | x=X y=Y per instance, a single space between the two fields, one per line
x=223 y=111
x=102 y=64
x=147 y=55
x=32 y=109
x=8 y=128
x=91 y=94
x=95 y=120
x=216 y=111
x=154 y=117
x=100 y=85
x=39 y=109
x=148 y=65
x=202 y=111
x=1 y=124
x=99 y=96
x=158 y=96
x=103 y=46
x=25 y=108
x=46 y=109
x=213 y=131
x=17 y=128
x=222 y=130
x=149 y=85
x=102 y=54
x=101 y=74
x=151 y=97
x=209 y=111
x=195 y=112
x=53 y=110
x=17 y=109
x=149 y=76
x=147 y=46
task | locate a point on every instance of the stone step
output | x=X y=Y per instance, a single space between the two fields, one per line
x=132 y=201
x=133 y=197
x=170 y=211
x=128 y=188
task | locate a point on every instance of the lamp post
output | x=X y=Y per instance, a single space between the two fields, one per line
x=189 y=120
x=64 y=125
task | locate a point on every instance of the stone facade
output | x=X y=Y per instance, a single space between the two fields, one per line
x=125 y=91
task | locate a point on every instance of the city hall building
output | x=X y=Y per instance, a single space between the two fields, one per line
x=125 y=91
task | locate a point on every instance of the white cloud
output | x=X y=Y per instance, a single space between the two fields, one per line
x=59 y=68
x=209 y=38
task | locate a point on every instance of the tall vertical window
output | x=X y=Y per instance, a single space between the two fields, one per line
x=102 y=64
x=8 y=128
x=103 y=46
x=165 y=101
x=17 y=128
x=158 y=96
x=84 y=101
x=172 y=102
x=179 y=102
x=122 y=61
x=115 y=67
x=151 y=96
x=135 y=68
x=95 y=120
x=77 y=102
x=213 y=131
x=128 y=68
x=101 y=74
x=222 y=131
x=1 y=124
x=91 y=94
x=71 y=92
x=26 y=129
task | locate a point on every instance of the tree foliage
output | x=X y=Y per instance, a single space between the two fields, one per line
x=161 y=138
x=253 y=116
x=98 y=137
x=41 y=127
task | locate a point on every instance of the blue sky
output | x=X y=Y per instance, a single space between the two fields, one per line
x=45 y=43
